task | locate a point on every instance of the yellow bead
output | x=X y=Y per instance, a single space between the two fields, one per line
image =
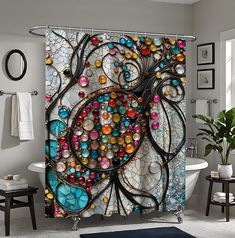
x=167 y=92
x=105 y=199
x=128 y=139
x=148 y=41
x=93 y=206
x=135 y=38
x=102 y=147
x=98 y=63
x=103 y=176
x=49 y=61
x=99 y=159
x=72 y=164
x=135 y=56
x=130 y=148
x=120 y=141
x=158 y=75
x=172 y=41
x=50 y=196
x=147 y=113
x=113 y=140
x=128 y=55
x=113 y=95
x=116 y=118
x=153 y=48
x=85 y=161
x=183 y=80
x=102 y=79
x=46 y=191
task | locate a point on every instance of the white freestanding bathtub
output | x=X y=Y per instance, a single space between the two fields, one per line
x=193 y=167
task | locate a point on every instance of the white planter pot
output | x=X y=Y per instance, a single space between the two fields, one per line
x=225 y=171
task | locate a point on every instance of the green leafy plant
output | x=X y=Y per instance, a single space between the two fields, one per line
x=219 y=133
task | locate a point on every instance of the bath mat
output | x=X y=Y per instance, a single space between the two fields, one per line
x=163 y=232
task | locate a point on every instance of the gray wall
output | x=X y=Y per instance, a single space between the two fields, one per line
x=21 y=15
x=210 y=18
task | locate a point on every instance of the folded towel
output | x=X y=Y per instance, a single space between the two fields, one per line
x=223 y=200
x=13 y=187
x=22 y=116
x=202 y=108
x=220 y=194
x=13 y=182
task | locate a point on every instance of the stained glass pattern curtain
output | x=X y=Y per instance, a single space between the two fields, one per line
x=115 y=122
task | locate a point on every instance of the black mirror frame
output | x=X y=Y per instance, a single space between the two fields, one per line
x=6 y=64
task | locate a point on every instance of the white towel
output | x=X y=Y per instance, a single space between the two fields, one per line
x=220 y=194
x=12 y=182
x=202 y=108
x=22 y=116
x=13 y=187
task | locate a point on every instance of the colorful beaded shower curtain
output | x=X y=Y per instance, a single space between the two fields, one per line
x=115 y=119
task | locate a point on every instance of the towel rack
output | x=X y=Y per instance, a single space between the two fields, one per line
x=13 y=93
x=208 y=101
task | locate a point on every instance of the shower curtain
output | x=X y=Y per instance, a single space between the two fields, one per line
x=115 y=121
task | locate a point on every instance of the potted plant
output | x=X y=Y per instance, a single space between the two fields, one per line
x=220 y=135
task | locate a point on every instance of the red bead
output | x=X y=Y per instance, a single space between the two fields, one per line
x=95 y=113
x=121 y=152
x=145 y=51
x=48 y=98
x=94 y=41
x=80 y=119
x=96 y=120
x=92 y=175
x=84 y=113
x=87 y=63
x=120 y=97
x=124 y=103
x=81 y=94
x=81 y=180
x=96 y=104
x=130 y=112
x=62 y=141
x=112 y=103
x=89 y=183
x=88 y=108
x=72 y=178
x=129 y=96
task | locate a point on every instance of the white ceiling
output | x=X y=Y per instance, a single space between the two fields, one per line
x=177 y=1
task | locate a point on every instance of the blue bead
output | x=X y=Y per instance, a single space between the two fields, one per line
x=123 y=118
x=87 y=172
x=129 y=43
x=127 y=123
x=63 y=112
x=175 y=49
x=141 y=39
x=125 y=157
x=175 y=82
x=116 y=64
x=106 y=97
x=94 y=154
x=100 y=99
x=78 y=174
x=115 y=109
x=124 y=67
x=127 y=74
x=98 y=126
x=110 y=45
x=108 y=109
x=122 y=41
x=72 y=170
x=161 y=65
x=83 y=145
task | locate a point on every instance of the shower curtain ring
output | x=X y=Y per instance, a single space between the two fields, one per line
x=92 y=31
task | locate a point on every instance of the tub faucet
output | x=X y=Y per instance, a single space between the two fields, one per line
x=192 y=147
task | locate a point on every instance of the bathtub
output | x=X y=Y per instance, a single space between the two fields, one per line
x=193 y=167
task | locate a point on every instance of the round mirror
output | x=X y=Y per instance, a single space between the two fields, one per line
x=15 y=65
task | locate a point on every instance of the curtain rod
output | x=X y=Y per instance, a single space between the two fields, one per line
x=34 y=31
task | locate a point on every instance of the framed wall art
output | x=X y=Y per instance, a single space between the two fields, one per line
x=206 y=79
x=206 y=54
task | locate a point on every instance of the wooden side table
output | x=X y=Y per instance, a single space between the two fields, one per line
x=225 y=188
x=11 y=202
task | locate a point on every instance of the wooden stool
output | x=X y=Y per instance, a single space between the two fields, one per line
x=10 y=202
x=225 y=188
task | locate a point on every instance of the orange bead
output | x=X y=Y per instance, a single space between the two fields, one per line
x=102 y=79
x=72 y=164
x=130 y=148
x=106 y=129
x=105 y=115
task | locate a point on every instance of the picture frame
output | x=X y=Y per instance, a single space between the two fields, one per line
x=206 y=54
x=206 y=79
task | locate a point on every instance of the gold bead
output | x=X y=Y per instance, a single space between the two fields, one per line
x=93 y=206
x=102 y=79
x=98 y=63
x=128 y=55
x=105 y=199
x=158 y=75
x=50 y=196
x=135 y=56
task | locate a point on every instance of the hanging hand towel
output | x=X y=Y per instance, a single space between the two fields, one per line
x=22 y=116
x=202 y=108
